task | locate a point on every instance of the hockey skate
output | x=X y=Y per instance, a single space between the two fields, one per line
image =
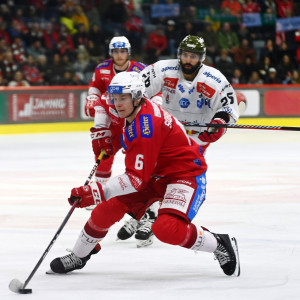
x=227 y=254
x=70 y=262
x=144 y=235
x=128 y=229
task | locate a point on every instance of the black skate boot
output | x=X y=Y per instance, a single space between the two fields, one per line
x=128 y=229
x=71 y=262
x=227 y=254
x=144 y=235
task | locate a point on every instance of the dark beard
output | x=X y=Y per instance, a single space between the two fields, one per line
x=191 y=70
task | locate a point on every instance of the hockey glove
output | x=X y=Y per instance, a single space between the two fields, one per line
x=213 y=134
x=90 y=104
x=101 y=140
x=88 y=195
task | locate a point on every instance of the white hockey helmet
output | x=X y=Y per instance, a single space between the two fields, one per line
x=119 y=42
x=126 y=83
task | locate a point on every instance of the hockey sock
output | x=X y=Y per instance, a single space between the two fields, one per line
x=199 y=239
x=89 y=236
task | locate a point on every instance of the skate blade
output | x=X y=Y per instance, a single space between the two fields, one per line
x=50 y=272
x=144 y=243
x=237 y=270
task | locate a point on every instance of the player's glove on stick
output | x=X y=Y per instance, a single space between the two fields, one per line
x=213 y=134
x=101 y=140
x=88 y=195
x=90 y=104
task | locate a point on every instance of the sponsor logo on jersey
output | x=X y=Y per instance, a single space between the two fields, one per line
x=105 y=63
x=136 y=69
x=181 y=88
x=209 y=75
x=168 y=119
x=122 y=183
x=227 y=109
x=204 y=89
x=191 y=90
x=131 y=131
x=199 y=196
x=170 y=68
x=105 y=71
x=135 y=181
x=146 y=126
x=184 y=182
x=184 y=103
x=170 y=91
x=156 y=109
x=176 y=196
x=203 y=101
x=225 y=87
x=170 y=82
x=153 y=73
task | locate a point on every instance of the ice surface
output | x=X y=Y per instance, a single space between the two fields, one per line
x=253 y=194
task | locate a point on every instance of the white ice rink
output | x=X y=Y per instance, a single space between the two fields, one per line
x=253 y=194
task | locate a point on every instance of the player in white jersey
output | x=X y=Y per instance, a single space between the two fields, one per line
x=192 y=91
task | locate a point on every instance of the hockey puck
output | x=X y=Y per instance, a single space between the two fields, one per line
x=25 y=291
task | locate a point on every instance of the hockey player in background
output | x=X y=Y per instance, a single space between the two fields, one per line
x=192 y=91
x=108 y=130
x=161 y=162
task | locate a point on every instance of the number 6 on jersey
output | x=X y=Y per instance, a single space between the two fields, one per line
x=139 y=164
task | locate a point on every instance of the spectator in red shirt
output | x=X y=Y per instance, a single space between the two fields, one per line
x=284 y=8
x=244 y=50
x=251 y=7
x=3 y=32
x=51 y=37
x=156 y=44
x=134 y=30
x=31 y=72
x=232 y=6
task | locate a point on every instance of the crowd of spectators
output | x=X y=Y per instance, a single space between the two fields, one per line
x=59 y=42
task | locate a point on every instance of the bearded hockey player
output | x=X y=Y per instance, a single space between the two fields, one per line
x=192 y=91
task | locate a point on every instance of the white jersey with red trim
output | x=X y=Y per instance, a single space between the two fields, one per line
x=105 y=72
x=156 y=144
x=191 y=101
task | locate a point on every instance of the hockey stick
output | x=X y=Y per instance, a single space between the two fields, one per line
x=16 y=285
x=235 y=126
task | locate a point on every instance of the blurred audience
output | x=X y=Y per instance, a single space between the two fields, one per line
x=55 y=42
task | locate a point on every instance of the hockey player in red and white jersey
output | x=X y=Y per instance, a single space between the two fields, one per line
x=192 y=91
x=161 y=162
x=109 y=128
x=119 y=50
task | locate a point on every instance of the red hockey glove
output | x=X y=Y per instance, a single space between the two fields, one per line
x=88 y=195
x=90 y=104
x=213 y=134
x=101 y=140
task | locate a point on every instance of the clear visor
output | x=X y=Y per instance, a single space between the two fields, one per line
x=110 y=97
x=192 y=55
